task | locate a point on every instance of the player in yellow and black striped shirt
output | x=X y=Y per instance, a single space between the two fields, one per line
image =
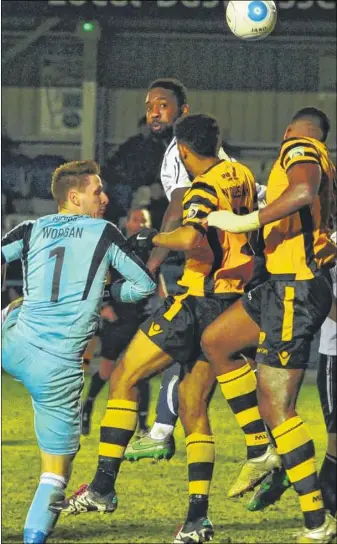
x=298 y=244
x=222 y=262
x=218 y=265
x=285 y=312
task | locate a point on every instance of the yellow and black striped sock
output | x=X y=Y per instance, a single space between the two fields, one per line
x=117 y=428
x=200 y=459
x=239 y=389
x=296 y=448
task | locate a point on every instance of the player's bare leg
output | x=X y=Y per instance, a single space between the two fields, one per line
x=141 y=360
x=58 y=464
x=223 y=342
x=229 y=334
x=278 y=389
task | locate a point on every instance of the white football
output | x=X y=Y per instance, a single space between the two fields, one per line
x=251 y=20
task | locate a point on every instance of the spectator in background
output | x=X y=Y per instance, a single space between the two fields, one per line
x=135 y=163
x=158 y=204
x=141 y=197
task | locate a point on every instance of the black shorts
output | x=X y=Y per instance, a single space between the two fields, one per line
x=177 y=326
x=326 y=383
x=288 y=313
x=116 y=336
x=172 y=270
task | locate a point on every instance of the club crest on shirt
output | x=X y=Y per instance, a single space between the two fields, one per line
x=192 y=211
x=296 y=152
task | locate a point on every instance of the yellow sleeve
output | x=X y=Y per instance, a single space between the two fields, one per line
x=198 y=202
x=298 y=151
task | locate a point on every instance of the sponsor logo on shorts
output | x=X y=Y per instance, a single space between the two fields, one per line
x=155 y=329
x=262 y=337
x=284 y=357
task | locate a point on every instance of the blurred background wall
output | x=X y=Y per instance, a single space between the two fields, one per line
x=252 y=88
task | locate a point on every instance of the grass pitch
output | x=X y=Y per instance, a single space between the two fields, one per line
x=152 y=496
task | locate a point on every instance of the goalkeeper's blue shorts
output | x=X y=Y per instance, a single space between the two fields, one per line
x=55 y=385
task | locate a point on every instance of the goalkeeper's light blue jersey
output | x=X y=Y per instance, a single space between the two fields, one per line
x=65 y=259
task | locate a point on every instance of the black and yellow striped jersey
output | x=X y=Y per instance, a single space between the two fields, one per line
x=223 y=262
x=299 y=244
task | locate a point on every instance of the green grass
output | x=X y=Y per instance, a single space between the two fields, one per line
x=152 y=496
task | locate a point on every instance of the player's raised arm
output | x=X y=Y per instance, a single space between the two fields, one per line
x=199 y=201
x=171 y=221
x=304 y=179
x=201 y=198
x=138 y=282
x=181 y=239
x=166 y=101
x=301 y=161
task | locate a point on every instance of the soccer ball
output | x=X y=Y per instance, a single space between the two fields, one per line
x=251 y=20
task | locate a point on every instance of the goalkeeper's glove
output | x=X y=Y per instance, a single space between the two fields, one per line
x=232 y=222
x=142 y=240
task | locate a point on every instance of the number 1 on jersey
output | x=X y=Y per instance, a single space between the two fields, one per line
x=58 y=252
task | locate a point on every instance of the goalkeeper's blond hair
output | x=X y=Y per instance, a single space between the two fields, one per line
x=71 y=175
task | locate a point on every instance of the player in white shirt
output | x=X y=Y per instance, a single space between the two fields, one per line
x=165 y=102
x=173 y=173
